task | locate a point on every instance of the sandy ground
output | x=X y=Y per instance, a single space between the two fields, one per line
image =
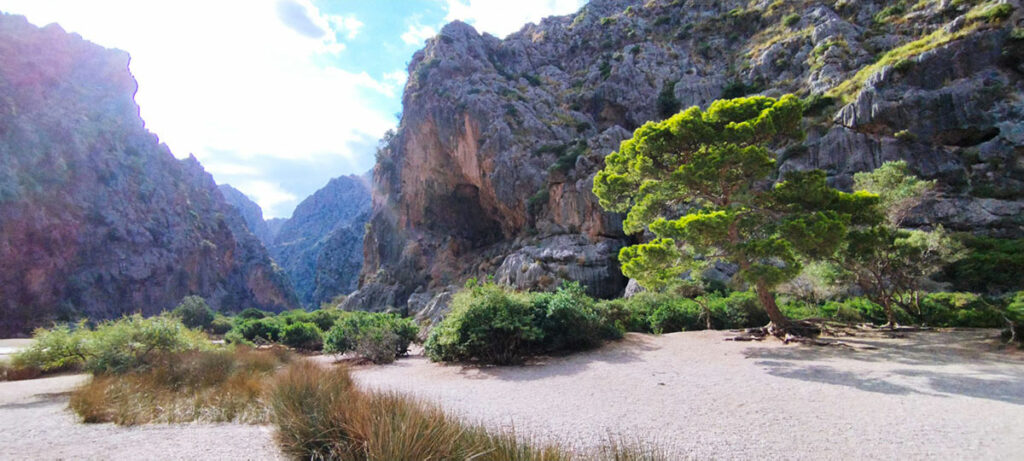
x=35 y=424
x=927 y=396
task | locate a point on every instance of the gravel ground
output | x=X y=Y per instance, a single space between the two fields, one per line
x=35 y=424
x=948 y=395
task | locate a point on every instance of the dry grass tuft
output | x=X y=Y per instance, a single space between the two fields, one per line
x=321 y=415
x=197 y=386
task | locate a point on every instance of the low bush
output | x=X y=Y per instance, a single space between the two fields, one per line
x=677 y=314
x=302 y=335
x=487 y=323
x=115 y=346
x=192 y=386
x=373 y=336
x=325 y=318
x=194 y=312
x=259 y=330
x=251 y=313
x=991 y=265
x=1015 y=318
x=568 y=320
x=220 y=325
x=739 y=309
x=959 y=310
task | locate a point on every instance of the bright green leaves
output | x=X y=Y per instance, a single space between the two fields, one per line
x=697 y=181
x=654 y=265
x=897 y=189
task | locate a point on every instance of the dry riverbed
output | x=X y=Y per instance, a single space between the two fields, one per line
x=929 y=395
x=949 y=395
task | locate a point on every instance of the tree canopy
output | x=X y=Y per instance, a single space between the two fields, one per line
x=701 y=182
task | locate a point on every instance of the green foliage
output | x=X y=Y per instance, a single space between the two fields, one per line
x=817 y=103
x=373 y=336
x=1015 y=316
x=266 y=329
x=567 y=319
x=194 y=312
x=738 y=89
x=220 y=325
x=251 y=313
x=55 y=349
x=116 y=346
x=679 y=314
x=959 y=310
x=791 y=20
x=993 y=13
x=897 y=189
x=325 y=318
x=710 y=161
x=667 y=103
x=990 y=265
x=293 y=316
x=897 y=9
x=488 y=323
x=302 y=335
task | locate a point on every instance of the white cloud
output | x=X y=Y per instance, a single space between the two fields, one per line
x=417 y=33
x=266 y=194
x=501 y=18
x=233 y=76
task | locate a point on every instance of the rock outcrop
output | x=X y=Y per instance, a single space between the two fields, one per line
x=251 y=213
x=490 y=170
x=97 y=218
x=320 y=246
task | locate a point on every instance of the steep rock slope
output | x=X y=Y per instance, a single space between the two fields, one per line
x=491 y=168
x=251 y=213
x=320 y=246
x=96 y=217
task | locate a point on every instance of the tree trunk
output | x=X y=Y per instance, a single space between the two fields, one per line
x=889 y=315
x=779 y=322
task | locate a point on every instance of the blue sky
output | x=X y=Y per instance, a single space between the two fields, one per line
x=275 y=96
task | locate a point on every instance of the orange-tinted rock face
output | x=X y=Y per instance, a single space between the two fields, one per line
x=97 y=218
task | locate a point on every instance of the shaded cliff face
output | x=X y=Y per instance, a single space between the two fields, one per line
x=320 y=246
x=96 y=217
x=491 y=168
x=251 y=213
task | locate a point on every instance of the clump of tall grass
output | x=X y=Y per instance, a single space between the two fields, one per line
x=320 y=414
x=192 y=386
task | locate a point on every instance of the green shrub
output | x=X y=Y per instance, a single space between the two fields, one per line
x=625 y=314
x=365 y=332
x=791 y=20
x=959 y=310
x=325 y=318
x=293 y=316
x=115 y=346
x=1015 y=315
x=740 y=309
x=302 y=335
x=567 y=319
x=799 y=310
x=220 y=325
x=55 y=349
x=678 y=314
x=487 y=323
x=991 y=265
x=251 y=313
x=194 y=312
x=266 y=329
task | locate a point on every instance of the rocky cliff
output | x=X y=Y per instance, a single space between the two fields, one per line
x=490 y=170
x=97 y=217
x=320 y=246
x=251 y=213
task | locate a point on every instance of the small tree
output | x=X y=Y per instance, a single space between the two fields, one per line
x=194 y=312
x=886 y=262
x=700 y=182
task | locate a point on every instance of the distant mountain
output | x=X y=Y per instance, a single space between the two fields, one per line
x=97 y=218
x=251 y=213
x=320 y=246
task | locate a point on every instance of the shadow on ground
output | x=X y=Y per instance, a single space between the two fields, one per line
x=966 y=362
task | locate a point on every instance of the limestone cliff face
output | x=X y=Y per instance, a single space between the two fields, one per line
x=320 y=246
x=97 y=217
x=490 y=170
x=251 y=213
